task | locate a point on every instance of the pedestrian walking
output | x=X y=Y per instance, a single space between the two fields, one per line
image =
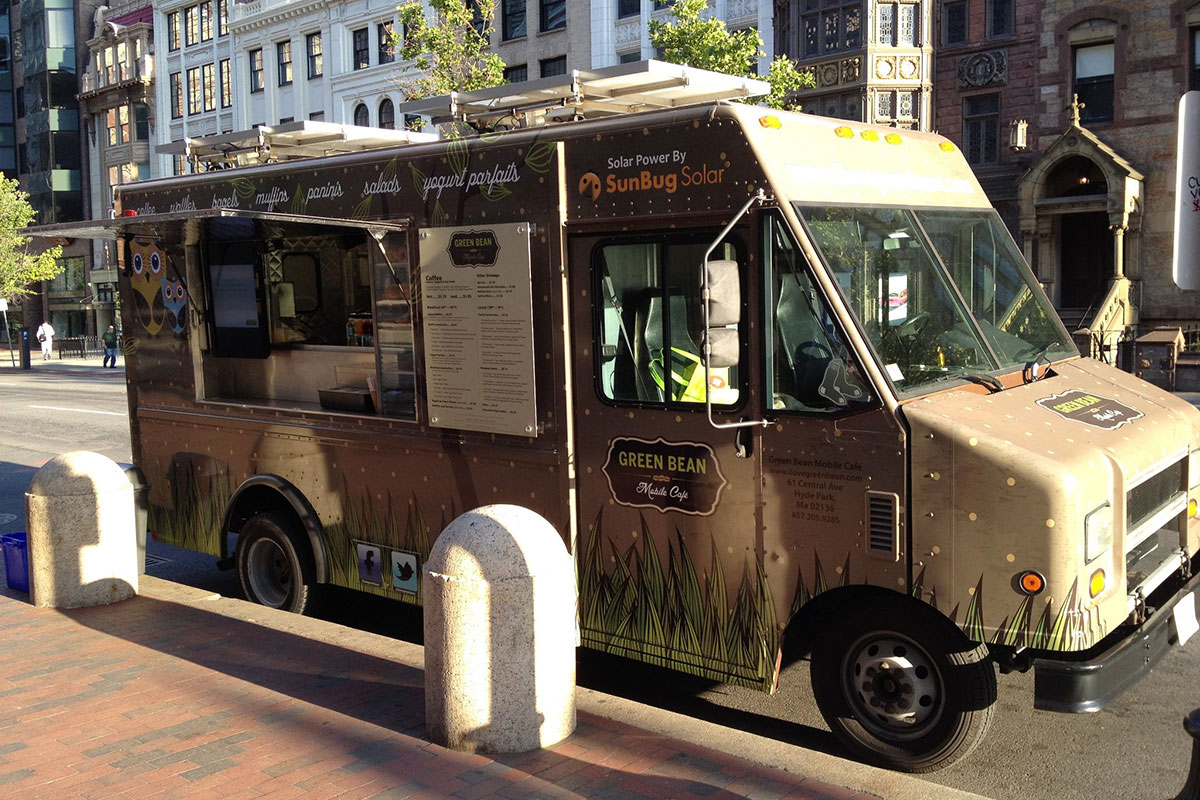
x=45 y=335
x=109 y=338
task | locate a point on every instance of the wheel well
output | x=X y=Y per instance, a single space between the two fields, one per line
x=826 y=607
x=279 y=497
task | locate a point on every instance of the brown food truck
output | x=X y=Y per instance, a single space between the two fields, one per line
x=785 y=384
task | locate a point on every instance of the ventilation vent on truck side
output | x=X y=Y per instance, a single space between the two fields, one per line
x=883 y=525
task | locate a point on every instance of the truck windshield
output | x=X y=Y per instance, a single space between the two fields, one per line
x=940 y=294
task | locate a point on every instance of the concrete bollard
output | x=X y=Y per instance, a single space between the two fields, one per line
x=82 y=545
x=499 y=596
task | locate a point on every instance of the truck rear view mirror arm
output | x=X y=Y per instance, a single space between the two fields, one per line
x=721 y=290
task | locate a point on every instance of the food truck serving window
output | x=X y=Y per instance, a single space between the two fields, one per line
x=312 y=316
x=651 y=321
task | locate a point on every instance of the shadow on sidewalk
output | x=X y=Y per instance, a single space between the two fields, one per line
x=390 y=697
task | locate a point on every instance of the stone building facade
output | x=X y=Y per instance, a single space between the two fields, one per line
x=1096 y=205
x=870 y=60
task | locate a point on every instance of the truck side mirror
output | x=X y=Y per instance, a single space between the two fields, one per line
x=723 y=311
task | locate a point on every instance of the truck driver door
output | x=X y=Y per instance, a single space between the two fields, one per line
x=669 y=549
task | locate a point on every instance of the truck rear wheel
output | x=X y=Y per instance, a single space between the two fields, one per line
x=903 y=688
x=274 y=565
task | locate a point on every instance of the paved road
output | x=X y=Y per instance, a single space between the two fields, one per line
x=1134 y=750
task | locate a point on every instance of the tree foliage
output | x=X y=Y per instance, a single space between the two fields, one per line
x=19 y=266
x=689 y=39
x=450 y=54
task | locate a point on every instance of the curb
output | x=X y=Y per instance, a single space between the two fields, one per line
x=751 y=747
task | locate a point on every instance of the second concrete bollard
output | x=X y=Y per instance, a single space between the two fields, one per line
x=82 y=546
x=499 y=594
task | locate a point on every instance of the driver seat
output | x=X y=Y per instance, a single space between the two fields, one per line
x=804 y=341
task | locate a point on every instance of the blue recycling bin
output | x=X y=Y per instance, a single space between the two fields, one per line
x=16 y=560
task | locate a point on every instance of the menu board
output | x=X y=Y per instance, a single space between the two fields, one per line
x=477 y=317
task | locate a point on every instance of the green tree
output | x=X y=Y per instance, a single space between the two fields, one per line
x=450 y=54
x=19 y=267
x=709 y=44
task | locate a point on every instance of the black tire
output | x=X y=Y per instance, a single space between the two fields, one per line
x=903 y=688
x=274 y=564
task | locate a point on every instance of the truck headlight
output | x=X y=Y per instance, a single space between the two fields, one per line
x=1097 y=532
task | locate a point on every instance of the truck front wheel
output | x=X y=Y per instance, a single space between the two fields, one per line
x=274 y=566
x=903 y=688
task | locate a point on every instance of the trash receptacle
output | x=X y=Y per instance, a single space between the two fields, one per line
x=16 y=560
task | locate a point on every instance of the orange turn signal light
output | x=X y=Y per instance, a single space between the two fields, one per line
x=1031 y=582
x=1096 y=584
x=1191 y=508
x=843 y=132
x=893 y=138
x=869 y=136
x=770 y=122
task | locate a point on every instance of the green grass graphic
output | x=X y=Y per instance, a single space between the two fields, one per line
x=674 y=617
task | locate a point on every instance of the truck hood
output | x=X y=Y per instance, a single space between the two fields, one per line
x=1004 y=483
x=1084 y=408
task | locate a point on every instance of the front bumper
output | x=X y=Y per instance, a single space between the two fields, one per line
x=1114 y=665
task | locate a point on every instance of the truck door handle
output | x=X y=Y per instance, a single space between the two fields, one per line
x=743 y=442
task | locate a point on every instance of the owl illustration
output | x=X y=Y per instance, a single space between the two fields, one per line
x=146 y=279
x=174 y=296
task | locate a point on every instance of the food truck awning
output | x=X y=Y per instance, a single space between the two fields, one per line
x=172 y=224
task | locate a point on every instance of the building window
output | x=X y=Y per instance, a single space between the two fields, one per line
x=1000 y=18
x=512 y=24
x=316 y=63
x=516 y=74
x=176 y=95
x=1094 y=81
x=222 y=17
x=195 y=91
x=191 y=24
x=898 y=26
x=387 y=53
x=361 y=115
x=1194 y=75
x=256 y=71
x=316 y=116
x=554 y=14
x=981 y=130
x=117 y=122
x=362 y=49
x=954 y=24
x=141 y=122
x=628 y=8
x=387 y=114
x=206 y=26
x=629 y=58
x=210 y=87
x=283 y=53
x=226 y=84
x=173 y=30
x=553 y=66
x=413 y=122
x=830 y=26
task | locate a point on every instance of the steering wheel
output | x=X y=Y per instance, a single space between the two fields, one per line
x=813 y=349
x=913 y=325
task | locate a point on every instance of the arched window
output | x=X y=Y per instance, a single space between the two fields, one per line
x=387 y=114
x=361 y=115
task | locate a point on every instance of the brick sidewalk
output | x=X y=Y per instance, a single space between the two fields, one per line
x=168 y=695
